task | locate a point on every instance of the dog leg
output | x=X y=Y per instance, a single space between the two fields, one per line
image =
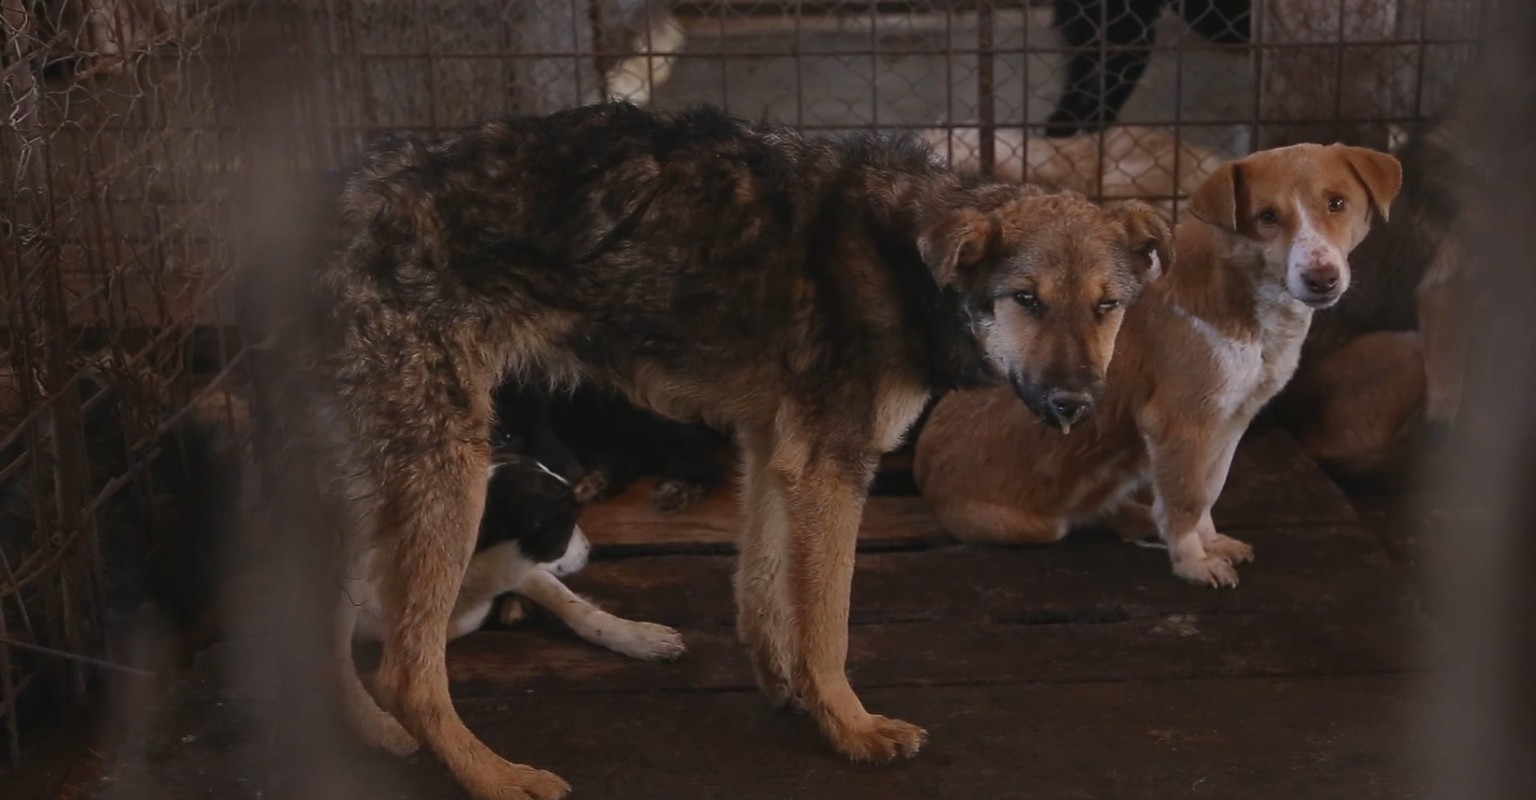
x=1099 y=83
x=762 y=607
x=1217 y=544
x=371 y=724
x=825 y=502
x=643 y=640
x=429 y=528
x=1188 y=472
x=1132 y=520
x=491 y=574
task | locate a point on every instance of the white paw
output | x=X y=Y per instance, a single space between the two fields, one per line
x=1226 y=547
x=1208 y=571
x=648 y=641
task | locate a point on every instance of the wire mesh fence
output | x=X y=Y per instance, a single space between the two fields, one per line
x=115 y=291
x=131 y=125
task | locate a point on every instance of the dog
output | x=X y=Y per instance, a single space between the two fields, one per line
x=1122 y=162
x=807 y=294
x=1209 y=343
x=600 y=442
x=1111 y=43
x=652 y=32
x=528 y=541
x=1381 y=373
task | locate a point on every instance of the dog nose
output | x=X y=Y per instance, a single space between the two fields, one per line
x=1069 y=407
x=1321 y=280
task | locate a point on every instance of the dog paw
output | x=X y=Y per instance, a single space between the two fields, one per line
x=1225 y=547
x=672 y=496
x=1208 y=571
x=591 y=488
x=517 y=782
x=769 y=665
x=374 y=726
x=774 y=686
x=879 y=739
x=651 y=642
x=384 y=732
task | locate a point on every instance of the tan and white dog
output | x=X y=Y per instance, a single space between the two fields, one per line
x=1208 y=344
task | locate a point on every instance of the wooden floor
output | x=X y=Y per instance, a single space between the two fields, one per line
x=1083 y=670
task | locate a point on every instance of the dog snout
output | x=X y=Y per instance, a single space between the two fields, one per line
x=1321 y=279
x=1069 y=407
x=574 y=560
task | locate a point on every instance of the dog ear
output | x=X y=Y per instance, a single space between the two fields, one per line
x=1147 y=236
x=956 y=243
x=1380 y=174
x=1215 y=202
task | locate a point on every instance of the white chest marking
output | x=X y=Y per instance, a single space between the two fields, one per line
x=1239 y=365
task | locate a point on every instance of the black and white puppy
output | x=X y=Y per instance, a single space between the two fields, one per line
x=528 y=541
x=601 y=443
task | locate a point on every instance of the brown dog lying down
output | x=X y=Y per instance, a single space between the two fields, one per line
x=1123 y=162
x=1203 y=349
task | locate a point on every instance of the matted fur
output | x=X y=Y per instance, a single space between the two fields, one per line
x=807 y=294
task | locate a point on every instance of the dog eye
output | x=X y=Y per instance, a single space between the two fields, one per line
x=1268 y=217
x=1336 y=204
x=1028 y=301
x=1106 y=306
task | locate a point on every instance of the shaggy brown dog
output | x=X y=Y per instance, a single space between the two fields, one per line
x=809 y=295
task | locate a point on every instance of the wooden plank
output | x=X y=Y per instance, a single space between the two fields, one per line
x=1332 y=738
x=1274 y=738
x=1177 y=646
x=1088 y=577
x=628 y=523
x=1272 y=483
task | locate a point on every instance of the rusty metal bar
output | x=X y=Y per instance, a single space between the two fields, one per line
x=985 y=102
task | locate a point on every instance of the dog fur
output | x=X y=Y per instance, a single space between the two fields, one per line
x=1384 y=367
x=1123 y=162
x=1205 y=348
x=601 y=443
x=528 y=541
x=807 y=294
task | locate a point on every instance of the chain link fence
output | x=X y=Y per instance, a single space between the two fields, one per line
x=131 y=125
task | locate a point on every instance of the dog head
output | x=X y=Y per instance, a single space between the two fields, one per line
x=528 y=504
x=1043 y=281
x=1299 y=211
